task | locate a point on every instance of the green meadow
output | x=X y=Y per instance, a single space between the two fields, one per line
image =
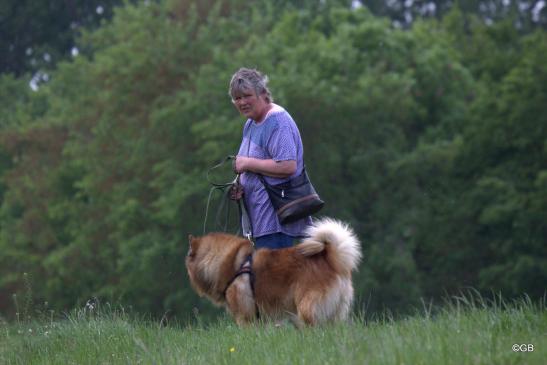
x=424 y=126
x=463 y=332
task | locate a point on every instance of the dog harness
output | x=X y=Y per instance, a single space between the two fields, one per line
x=245 y=268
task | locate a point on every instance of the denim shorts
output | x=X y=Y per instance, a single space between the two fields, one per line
x=274 y=241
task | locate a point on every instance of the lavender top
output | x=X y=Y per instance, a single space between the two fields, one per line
x=277 y=138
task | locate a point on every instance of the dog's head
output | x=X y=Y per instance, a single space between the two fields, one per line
x=212 y=261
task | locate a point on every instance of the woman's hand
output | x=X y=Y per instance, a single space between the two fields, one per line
x=241 y=163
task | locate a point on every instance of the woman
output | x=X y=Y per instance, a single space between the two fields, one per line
x=272 y=147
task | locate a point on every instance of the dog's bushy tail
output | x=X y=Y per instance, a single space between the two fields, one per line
x=342 y=247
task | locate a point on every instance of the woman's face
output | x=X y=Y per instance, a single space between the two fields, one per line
x=251 y=105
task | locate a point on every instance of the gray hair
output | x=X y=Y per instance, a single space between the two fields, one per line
x=249 y=79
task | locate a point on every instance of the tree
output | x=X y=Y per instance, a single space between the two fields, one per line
x=39 y=34
x=524 y=15
x=429 y=141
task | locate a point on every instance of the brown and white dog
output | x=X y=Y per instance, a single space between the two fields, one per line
x=310 y=282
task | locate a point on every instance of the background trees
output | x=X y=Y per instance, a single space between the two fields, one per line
x=36 y=35
x=430 y=141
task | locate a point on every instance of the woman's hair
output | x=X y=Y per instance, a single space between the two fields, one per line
x=249 y=79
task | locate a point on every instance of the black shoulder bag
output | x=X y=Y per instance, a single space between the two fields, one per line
x=294 y=199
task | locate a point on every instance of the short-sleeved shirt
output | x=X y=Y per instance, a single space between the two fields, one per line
x=277 y=138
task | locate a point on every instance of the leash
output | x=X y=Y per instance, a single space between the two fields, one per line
x=227 y=189
x=244 y=220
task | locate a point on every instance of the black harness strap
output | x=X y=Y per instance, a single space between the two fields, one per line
x=246 y=268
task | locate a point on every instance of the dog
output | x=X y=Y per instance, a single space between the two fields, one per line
x=310 y=282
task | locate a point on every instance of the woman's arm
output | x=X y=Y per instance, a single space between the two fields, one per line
x=279 y=169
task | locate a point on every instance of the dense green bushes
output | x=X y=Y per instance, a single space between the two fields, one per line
x=431 y=142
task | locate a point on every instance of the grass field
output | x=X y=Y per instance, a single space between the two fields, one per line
x=464 y=332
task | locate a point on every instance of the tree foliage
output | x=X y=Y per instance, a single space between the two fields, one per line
x=38 y=34
x=431 y=142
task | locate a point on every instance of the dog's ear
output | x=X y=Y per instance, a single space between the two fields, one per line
x=191 y=245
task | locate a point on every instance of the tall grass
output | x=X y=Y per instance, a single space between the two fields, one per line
x=468 y=330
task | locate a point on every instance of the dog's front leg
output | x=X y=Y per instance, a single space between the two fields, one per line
x=240 y=301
